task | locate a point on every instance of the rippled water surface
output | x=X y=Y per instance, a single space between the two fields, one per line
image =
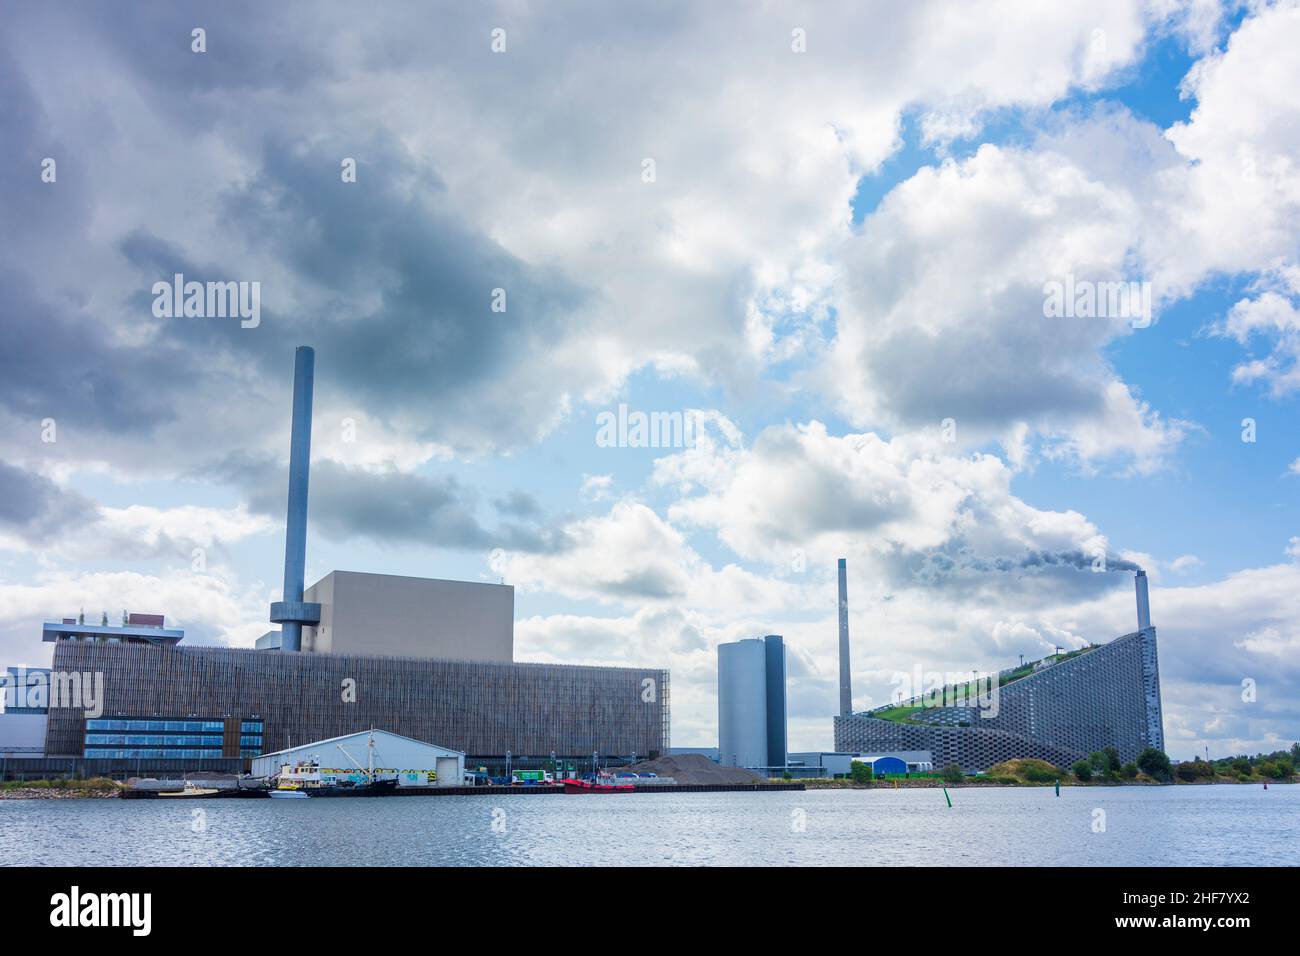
x=1200 y=826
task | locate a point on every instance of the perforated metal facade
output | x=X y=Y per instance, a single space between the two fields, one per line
x=1108 y=697
x=478 y=708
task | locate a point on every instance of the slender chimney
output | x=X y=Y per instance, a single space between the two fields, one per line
x=1143 y=601
x=846 y=683
x=292 y=613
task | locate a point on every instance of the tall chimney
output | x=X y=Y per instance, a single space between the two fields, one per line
x=1143 y=601
x=846 y=682
x=292 y=613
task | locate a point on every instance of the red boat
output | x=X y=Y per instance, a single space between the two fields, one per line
x=586 y=786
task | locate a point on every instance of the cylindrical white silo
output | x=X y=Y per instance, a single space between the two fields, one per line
x=742 y=704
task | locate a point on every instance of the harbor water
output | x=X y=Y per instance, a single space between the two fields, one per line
x=1175 y=826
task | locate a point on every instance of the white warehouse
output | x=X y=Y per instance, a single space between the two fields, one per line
x=394 y=757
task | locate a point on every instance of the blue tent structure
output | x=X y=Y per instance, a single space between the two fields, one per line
x=883 y=765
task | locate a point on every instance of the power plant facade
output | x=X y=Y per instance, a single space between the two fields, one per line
x=1061 y=710
x=481 y=708
x=751 y=703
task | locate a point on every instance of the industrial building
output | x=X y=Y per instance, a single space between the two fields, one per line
x=389 y=615
x=751 y=703
x=835 y=764
x=1059 y=710
x=380 y=754
x=423 y=659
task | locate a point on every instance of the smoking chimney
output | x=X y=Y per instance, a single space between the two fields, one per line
x=292 y=613
x=846 y=683
x=1143 y=601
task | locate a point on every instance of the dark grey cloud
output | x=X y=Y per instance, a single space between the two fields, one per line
x=399 y=284
x=387 y=506
x=648 y=583
x=518 y=504
x=406 y=325
x=36 y=508
x=58 y=361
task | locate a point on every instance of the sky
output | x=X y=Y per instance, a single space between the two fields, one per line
x=825 y=233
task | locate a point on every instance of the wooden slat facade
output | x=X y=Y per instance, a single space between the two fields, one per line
x=473 y=707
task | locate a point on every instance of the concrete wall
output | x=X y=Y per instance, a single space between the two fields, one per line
x=389 y=615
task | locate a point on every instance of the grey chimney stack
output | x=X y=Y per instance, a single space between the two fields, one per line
x=1143 y=601
x=846 y=682
x=293 y=613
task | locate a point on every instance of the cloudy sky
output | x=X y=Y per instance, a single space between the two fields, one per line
x=825 y=230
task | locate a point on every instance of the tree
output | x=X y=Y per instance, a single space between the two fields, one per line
x=1129 y=770
x=953 y=773
x=1194 y=770
x=1113 y=763
x=1154 y=763
x=1083 y=770
x=1275 y=769
x=860 y=772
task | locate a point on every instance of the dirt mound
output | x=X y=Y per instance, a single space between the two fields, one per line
x=695 y=768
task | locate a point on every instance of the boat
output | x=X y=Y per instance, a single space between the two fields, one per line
x=307 y=777
x=572 y=785
x=287 y=794
x=190 y=791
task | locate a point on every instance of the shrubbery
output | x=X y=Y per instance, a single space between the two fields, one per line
x=1194 y=770
x=861 y=772
x=1155 y=763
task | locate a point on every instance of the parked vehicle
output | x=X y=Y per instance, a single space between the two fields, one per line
x=532 y=778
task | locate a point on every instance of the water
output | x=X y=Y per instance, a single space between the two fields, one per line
x=1180 y=826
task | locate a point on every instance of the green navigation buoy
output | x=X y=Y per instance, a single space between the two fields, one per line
x=948 y=798
x=1058 y=787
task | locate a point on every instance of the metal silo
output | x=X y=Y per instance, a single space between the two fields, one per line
x=742 y=704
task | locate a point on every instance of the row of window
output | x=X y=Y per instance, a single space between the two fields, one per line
x=146 y=754
x=169 y=726
x=159 y=740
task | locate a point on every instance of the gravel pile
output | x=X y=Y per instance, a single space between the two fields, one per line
x=695 y=768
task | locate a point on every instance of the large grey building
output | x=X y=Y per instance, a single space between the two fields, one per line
x=751 y=703
x=175 y=707
x=1061 y=710
x=393 y=615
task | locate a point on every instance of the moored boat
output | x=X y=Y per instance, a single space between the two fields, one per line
x=190 y=791
x=572 y=785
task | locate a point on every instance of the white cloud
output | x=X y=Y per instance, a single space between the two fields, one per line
x=596 y=487
x=211 y=607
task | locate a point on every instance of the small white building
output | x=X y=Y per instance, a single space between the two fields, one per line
x=410 y=762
